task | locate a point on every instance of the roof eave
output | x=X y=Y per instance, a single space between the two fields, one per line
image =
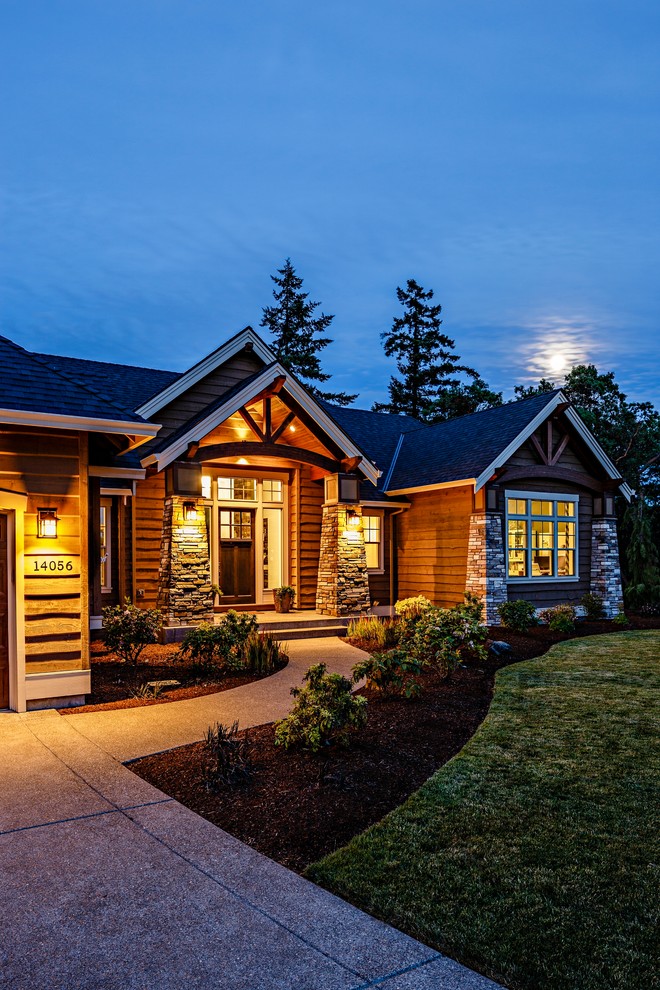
x=86 y=424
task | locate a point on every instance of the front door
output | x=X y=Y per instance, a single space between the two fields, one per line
x=237 y=556
x=4 y=614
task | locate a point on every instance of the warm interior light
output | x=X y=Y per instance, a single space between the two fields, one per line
x=47 y=523
x=189 y=512
x=241 y=460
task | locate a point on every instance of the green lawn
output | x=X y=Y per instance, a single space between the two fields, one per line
x=533 y=855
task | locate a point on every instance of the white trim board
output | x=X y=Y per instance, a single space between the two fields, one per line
x=205 y=367
x=133 y=474
x=256 y=385
x=17 y=417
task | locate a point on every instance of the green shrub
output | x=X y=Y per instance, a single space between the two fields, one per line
x=228 y=755
x=408 y=608
x=390 y=673
x=127 y=629
x=325 y=712
x=218 y=649
x=594 y=606
x=621 y=619
x=262 y=653
x=382 y=633
x=441 y=637
x=560 y=619
x=518 y=616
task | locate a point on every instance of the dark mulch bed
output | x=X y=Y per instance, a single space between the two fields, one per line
x=114 y=683
x=287 y=812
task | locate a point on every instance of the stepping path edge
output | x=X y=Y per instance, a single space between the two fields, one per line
x=108 y=883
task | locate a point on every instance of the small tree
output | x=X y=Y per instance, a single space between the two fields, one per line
x=298 y=334
x=430 y=387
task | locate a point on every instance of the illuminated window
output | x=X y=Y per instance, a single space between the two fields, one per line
x=105 y=539
x=237 y=489
x=541 y=536
x=206 y=486
x=235 y=525
x=371 y=527
x=272 y=490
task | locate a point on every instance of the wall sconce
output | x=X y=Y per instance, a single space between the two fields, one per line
x=47 y=523
x=242 y=460
x=352 y=519
x=189 y=512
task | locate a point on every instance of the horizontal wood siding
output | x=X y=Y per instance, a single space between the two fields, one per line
x=433 y=541
x=50 y=466
x=147 y=533
x=309 y=536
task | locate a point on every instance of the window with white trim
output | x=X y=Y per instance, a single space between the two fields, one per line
x=541 y=536
x=372 y=528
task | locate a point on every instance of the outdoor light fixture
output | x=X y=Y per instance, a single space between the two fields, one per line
x=47 y=523
x=241 y=460
x=352 y=519
x=189 y=512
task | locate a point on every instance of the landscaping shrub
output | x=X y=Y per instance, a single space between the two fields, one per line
x=228 y=755
x=382 y=633
x=262 y=653
x=594 y=606
x=408 y=608
x=325 y=712
x=127 y=629
x=390 y=673
x=441 y=637
x=219 y=649
x=621 y=619
x=560 y=619
x=518 y=616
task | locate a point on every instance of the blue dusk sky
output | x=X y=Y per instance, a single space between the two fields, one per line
x=160 y=159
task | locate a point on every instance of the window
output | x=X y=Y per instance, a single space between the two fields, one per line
x=235 y=525
x=106 y=544
x=541 y=532
x=237 y=489
x=272 y=490
x=371 y=527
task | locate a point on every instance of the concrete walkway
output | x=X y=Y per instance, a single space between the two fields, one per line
x=107 y=883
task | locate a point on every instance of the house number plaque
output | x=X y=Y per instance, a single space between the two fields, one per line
x=52 y=565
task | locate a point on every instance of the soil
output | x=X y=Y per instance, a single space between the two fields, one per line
x=297 y=807
x=114 y=683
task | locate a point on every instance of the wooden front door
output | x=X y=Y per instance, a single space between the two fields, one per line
x=4 y=614
x=237 y=556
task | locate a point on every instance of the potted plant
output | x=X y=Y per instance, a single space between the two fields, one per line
x=284 y=598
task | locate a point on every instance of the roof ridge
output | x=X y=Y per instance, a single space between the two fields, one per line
x=490 y=409
x=112 y=364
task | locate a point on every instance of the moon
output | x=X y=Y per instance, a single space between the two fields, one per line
x=557 y=362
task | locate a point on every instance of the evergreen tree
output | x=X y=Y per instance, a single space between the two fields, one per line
x=430 y=387
x=298 y=334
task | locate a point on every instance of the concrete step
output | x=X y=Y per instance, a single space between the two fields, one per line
x=318 y=632
x=266 y=625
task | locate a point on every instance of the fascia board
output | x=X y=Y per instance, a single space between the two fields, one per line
x=205 y=367
x=524 y=435
x=132 y=474
x=18 y=417
x=461 y=483
x=165 y=457
x=395 y=456
x=593 y=445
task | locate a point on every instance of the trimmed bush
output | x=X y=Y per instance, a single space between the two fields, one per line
x=410 y=608
x=593 y=605
x=127 y=629
x=382 y=633
x=390 y=673
x=560 y=619
x=325 y=712
x=518 y=616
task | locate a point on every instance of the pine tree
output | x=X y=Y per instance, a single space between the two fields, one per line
x=430 y=388
x=298 y=334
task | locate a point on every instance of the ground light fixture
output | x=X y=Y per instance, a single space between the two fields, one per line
x=47 y=523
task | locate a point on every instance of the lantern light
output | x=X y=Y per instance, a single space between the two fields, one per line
x=189 y=512
x=352 y=519
x=47 y=523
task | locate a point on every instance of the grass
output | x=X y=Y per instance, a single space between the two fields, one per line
x=533 y=855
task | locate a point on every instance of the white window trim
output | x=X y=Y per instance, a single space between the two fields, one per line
x=381 y=566
x=542 y=497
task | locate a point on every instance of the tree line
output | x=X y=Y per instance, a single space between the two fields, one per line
x=434 y=385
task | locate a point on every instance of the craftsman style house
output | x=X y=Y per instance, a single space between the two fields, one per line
x=121 y=482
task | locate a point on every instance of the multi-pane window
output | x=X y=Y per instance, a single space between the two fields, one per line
x=235 y=525
x=371 y=528
x=541 y=536
x=272 y=490
x=237 y=489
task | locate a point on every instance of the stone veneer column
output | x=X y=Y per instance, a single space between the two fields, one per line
x=184 y=581
x=605 y=567
x=486 y=563
x=343 y=583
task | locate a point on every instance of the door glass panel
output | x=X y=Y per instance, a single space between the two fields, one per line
x=272 y=549
x=235 y=525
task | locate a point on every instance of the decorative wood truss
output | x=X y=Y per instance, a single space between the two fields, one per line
x=550 y=454
x=266 y=438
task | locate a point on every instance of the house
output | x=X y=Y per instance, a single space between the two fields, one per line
x=132 y=482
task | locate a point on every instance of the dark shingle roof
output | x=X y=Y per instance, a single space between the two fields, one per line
x=29 y=384
x=131 y=387
x=464 y=447
x=377 y=434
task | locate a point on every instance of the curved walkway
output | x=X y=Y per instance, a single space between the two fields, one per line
x=107 y=883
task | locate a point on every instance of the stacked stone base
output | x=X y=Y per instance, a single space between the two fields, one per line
x=486 y=564
x=605 y=567
x=184 y=585
x=343 y=583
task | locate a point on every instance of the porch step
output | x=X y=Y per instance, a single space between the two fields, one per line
x=313 y=632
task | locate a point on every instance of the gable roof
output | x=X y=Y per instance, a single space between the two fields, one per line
x=32 y=391
x=378 y=434
x=124 y=383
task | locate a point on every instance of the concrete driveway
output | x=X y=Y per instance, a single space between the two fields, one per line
x=108 y=883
